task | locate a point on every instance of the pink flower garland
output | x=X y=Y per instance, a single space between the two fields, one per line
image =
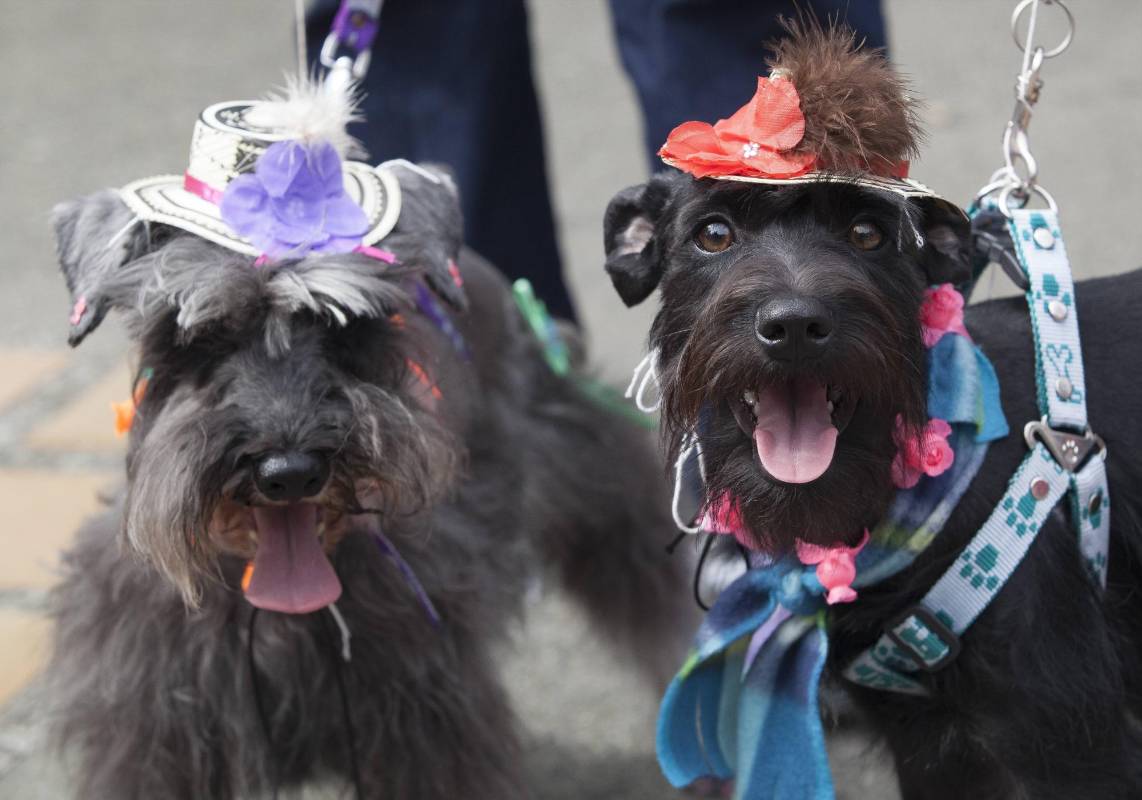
x=836 y=567
x=925 y=454
x=723 y=516
x=928 y=453
x=941 y=312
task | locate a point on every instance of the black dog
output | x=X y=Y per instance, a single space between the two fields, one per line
x=816 y=288
x=305 y=415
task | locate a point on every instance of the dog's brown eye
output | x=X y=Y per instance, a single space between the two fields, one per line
x=714 y=237
x=865 y=235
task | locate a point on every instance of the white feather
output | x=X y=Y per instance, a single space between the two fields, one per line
x=312 y=109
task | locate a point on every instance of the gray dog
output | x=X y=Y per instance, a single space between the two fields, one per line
x=305 y=421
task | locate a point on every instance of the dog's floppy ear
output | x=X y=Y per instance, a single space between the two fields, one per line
x=430 y=229
x=634 y=254
x=947 y=253
x=95 y=236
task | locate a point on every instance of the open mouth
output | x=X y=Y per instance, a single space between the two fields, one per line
x=795 y=425
x=291 y=572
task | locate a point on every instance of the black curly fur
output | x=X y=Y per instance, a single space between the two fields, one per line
x=1044 y=700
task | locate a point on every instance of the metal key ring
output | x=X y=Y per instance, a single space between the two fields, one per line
x=1019 y=9
x=1004 y=198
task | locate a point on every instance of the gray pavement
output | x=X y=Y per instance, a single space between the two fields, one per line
x=97 y=93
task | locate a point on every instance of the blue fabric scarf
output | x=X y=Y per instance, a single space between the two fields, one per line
x=744 y=704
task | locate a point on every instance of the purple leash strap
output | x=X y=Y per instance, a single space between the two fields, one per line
x=354 y=28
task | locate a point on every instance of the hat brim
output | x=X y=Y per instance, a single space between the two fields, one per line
x=905 y=187
x=163 y=199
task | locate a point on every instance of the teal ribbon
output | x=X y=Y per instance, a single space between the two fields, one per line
x=556 y=354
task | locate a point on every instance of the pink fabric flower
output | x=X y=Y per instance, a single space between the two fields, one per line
x=926 y=454
x=721 y=516
x=836 y=567
x=941 y=312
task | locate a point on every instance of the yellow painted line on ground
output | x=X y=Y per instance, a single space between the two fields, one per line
x=23 y=370
x=87 y=423
x=40 y=511
x=26 y=639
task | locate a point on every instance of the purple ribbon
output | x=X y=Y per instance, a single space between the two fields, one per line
x=428 y=306
x=388 y=549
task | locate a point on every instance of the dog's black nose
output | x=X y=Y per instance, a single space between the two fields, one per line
x=291 y=476
x=794 y=326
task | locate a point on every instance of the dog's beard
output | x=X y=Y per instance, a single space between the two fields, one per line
x=190 y=500
x=805 y=453
x=851 y=494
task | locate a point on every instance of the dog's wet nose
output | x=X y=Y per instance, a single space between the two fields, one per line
x=291 y=476
x=793 y=326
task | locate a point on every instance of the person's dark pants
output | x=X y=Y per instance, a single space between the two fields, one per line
x=451 y=82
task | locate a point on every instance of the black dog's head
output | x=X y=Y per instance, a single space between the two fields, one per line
x=280 y=400
x=788 y=337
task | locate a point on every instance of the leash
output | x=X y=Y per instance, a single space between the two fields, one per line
x=1066 y=457
x=350 y=39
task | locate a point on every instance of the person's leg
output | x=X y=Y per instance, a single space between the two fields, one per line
x=451 y=82
x=699 y=59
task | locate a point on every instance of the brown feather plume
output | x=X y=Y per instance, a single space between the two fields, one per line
x=859 y=113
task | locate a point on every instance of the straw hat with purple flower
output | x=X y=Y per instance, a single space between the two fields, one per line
x=275 y=179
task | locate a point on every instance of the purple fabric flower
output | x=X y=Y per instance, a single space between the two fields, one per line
x=294 y=202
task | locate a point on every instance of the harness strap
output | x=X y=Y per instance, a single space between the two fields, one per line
x=1060 y=378
x=1054 y=322
x=1062 y=460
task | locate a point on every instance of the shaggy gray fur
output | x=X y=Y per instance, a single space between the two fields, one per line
x=511 y=469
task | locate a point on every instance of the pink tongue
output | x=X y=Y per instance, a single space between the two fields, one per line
x=291 y=572
x=795 y=436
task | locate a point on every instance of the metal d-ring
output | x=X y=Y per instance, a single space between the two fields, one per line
x=1004 y=199
x=1019 y=9
x=1000 y=178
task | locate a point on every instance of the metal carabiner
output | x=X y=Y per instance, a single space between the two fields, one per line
x=329 y=57
x=1017 y=149
x=1028 y=86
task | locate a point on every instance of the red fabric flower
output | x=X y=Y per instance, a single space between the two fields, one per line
x=941 y=312
x=926 y=454
x=756 y=141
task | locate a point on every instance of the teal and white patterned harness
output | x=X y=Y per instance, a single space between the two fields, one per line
x=1065 y=457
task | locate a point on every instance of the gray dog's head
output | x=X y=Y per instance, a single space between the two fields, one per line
x=279 y=400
